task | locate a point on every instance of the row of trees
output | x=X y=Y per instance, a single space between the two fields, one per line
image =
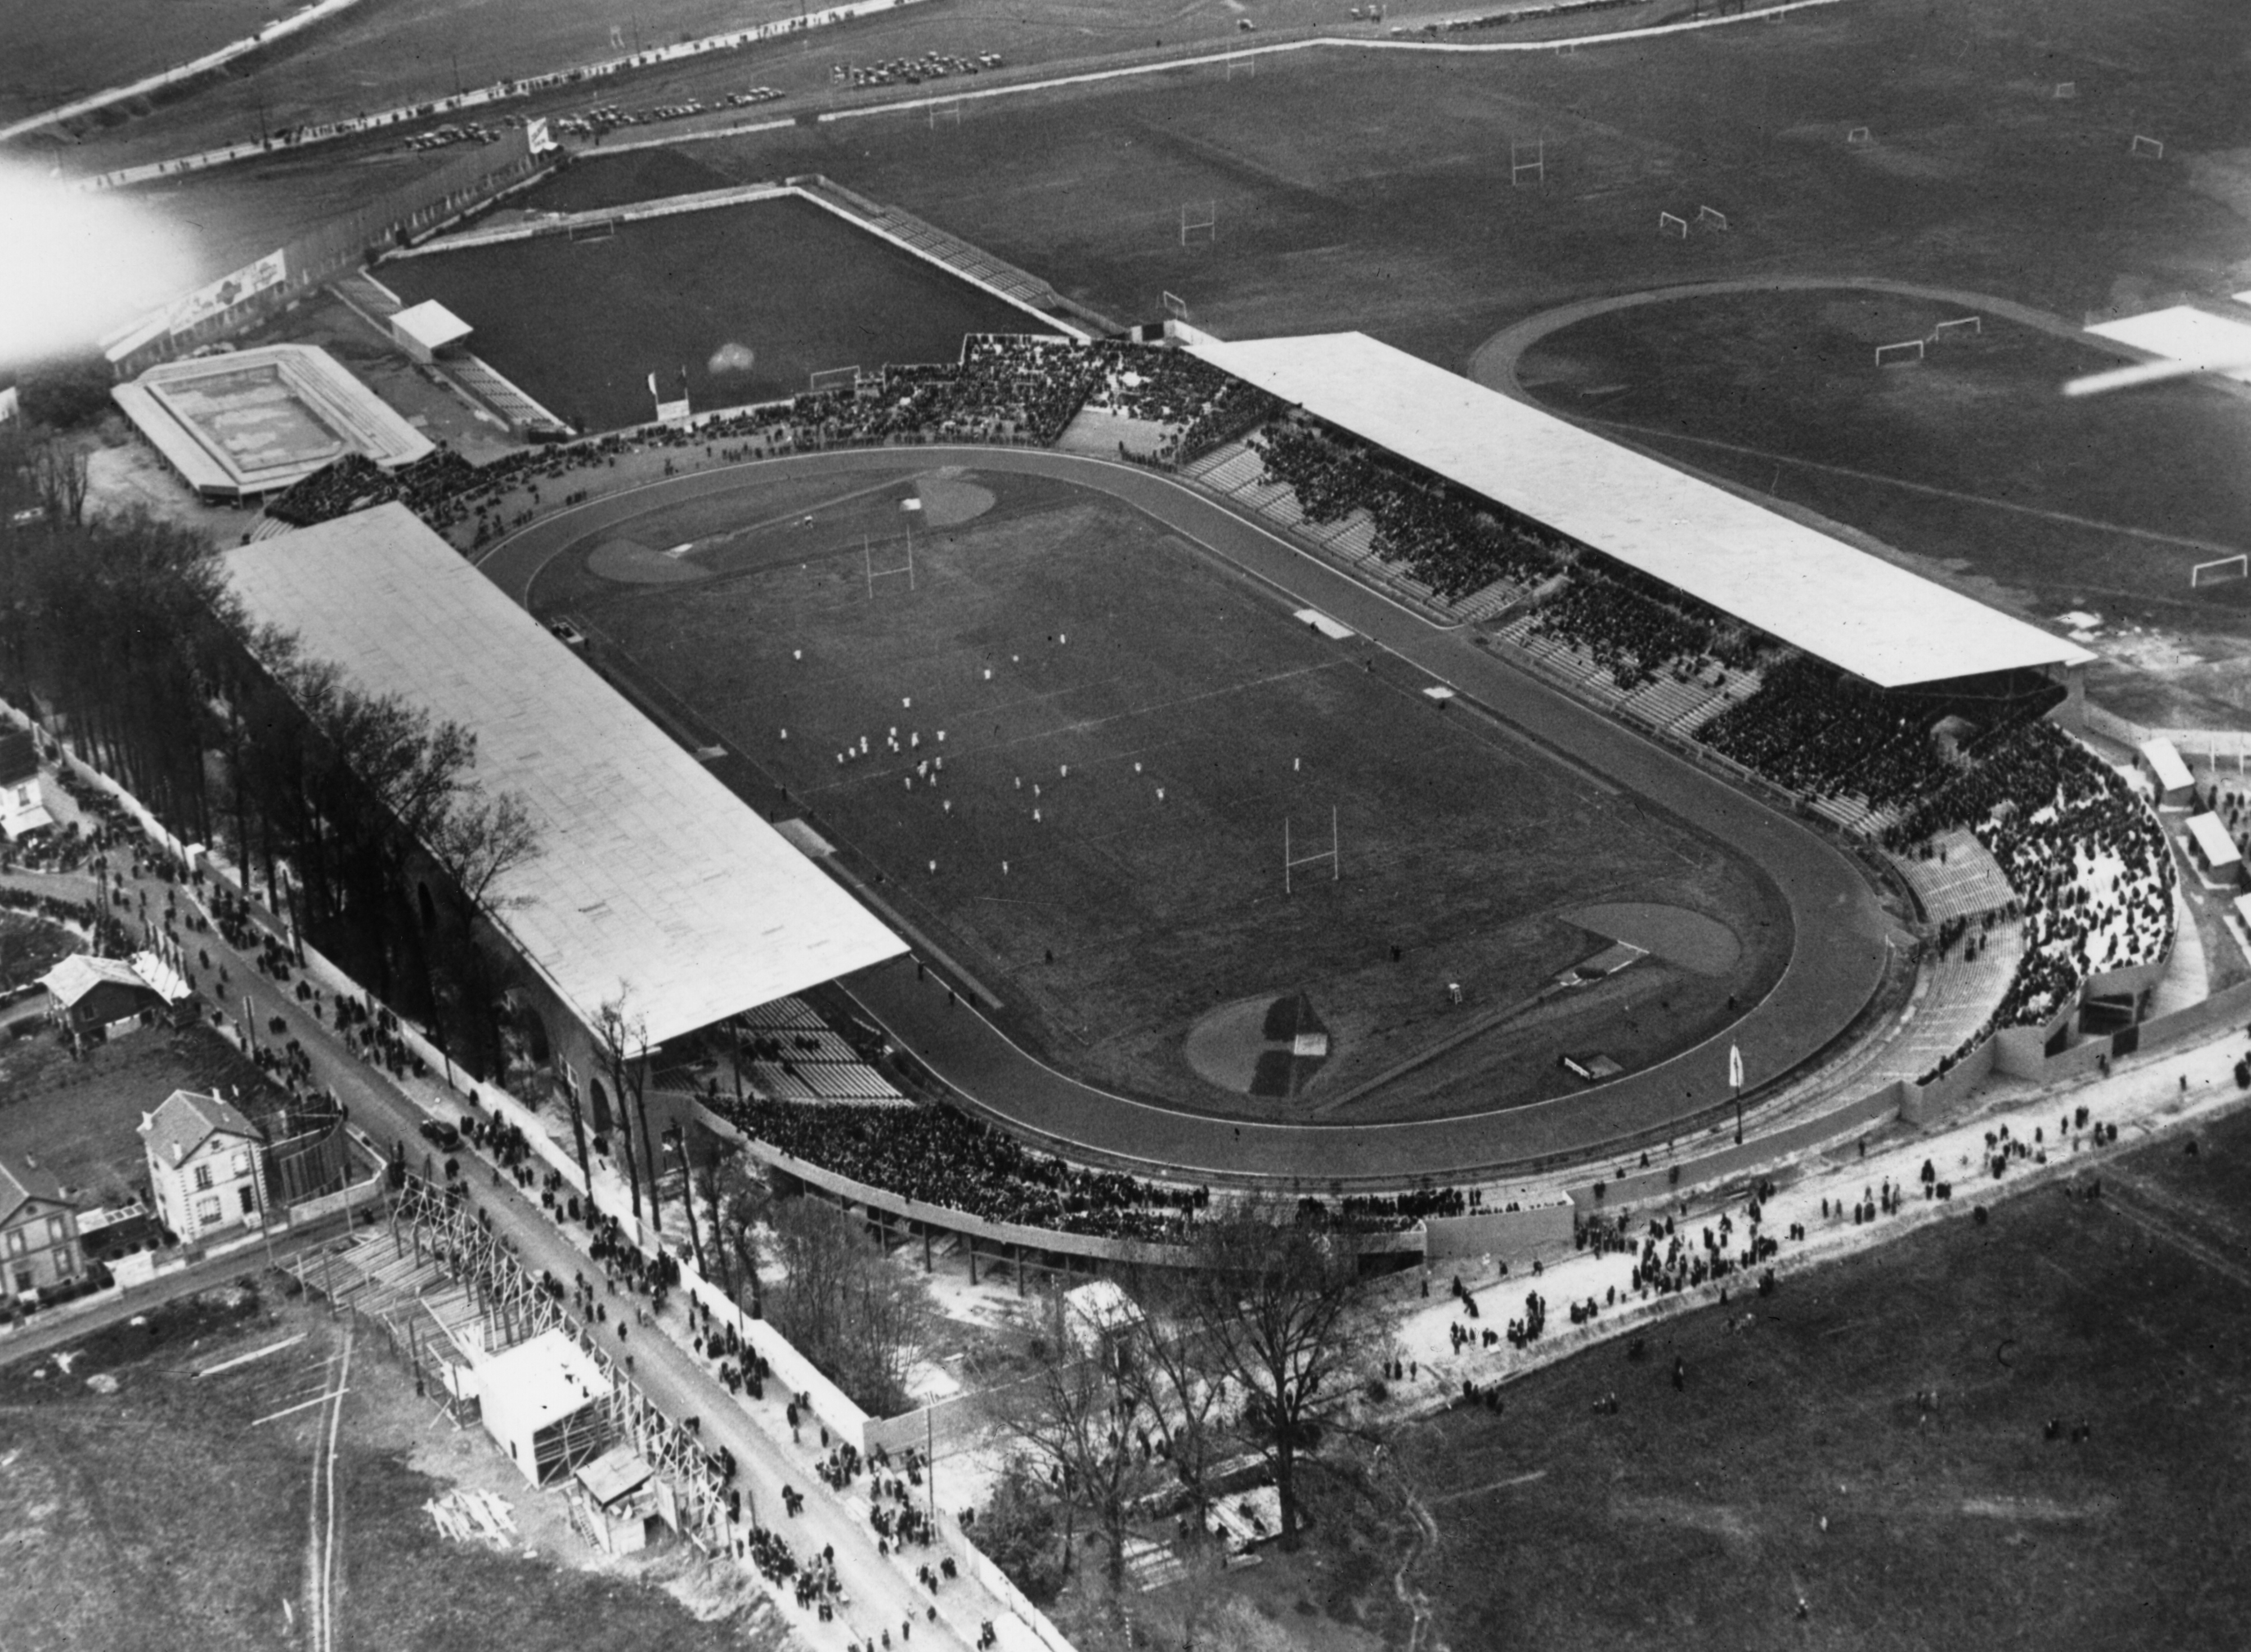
x=361 y=816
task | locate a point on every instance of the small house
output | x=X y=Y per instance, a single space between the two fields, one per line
x=547 y=1403
x=206 y=1167
x=38 y=1229
x=94 y=997
x=613 y=1500
x=22 y=806
x=427 y=330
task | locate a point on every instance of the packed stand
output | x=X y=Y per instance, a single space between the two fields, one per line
x=1637 y=635
x=2092 y=871
x=1812 y=730
x=1207 y=408
x=1450 y=540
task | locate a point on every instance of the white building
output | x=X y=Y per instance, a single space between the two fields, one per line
x=206 y=1167
x=545 y=1402
x=23 y=808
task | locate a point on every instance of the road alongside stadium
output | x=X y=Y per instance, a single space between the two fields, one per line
x=1841 y=943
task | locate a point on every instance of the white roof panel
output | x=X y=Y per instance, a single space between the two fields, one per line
x=2212 y=842
x=2164 y=760
x=431 y=325
x=2217 y=344
x=1858 y=611
x=651 y=872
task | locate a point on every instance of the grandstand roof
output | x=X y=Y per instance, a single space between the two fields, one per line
x=650 y=872
x=431 y=325
x=1855 y=610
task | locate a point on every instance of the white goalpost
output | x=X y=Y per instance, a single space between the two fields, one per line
x=950 y=113
x=1859 y=135
x=2143 y=149
x=1291 y=861
x=1528 y=160
x=874 y=573
x=1960 y=327
x=1673 y=224
x=1199 y=217
x=1237 y=64
x=1710 y=218
x=2066 y=90
x=2219 y=573
x=830 y=378
x=1907 y=353
x=1176 y=305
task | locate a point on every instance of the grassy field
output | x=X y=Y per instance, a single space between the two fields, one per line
x=158 y=1514
x=58 y=53
x=1138 y=663
x=1972 y=459
x=1696 y=1517
x=78 y=1118
x=581 y=325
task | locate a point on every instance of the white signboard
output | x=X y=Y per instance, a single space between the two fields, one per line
x=535 y=135
x=227 y=292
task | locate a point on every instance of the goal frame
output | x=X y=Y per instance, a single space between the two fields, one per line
x=2146 y=148
x=1199 y=216
x=1960 y=327
x=1858 y=137
x=838 y=377
x=1710 y=218
x=1291 y=861
x=1176 y=305
x=2242 y=564
x=1673 y=224
x=1904 y=360
x=1519 y=164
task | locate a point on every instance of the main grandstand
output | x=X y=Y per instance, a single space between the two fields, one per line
x=1900 y=712
x=249 y=425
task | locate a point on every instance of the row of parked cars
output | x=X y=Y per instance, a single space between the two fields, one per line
x=932 y=65
x=609 y=117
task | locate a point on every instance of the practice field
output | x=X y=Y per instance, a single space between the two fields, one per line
x=582 y=324
x=1128 y=729
x=1795 y=1464
x=1969 y=459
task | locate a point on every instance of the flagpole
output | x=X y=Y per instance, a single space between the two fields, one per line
x=1735 y=1083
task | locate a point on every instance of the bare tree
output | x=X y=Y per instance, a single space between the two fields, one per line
x=849 y=1308
x=1171 y=1375
x=59 y=474
x=1281 y=1312
x=621 y=1033
x=744 y=1201
x=1081 y=1416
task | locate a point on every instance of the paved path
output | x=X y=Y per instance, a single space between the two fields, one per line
x=882 y=1594
x=1835 y=967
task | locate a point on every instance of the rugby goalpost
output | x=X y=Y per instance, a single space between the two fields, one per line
x=1291 y=861
x=1527 y=159
x=1237 y=63
x=2220 y=571
x=1905 y=353
x=874 y=573
x=950 y=113
x=1199 y=217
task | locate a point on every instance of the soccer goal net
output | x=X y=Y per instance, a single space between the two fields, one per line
x=2219 y=573
x=1961 y=327
x=1710 y=218
x=2147 y=149
x=1907 y=353
x=601 y=229
x=1673 y=224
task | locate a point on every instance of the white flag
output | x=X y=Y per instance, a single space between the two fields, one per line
x=653 y=390
x=1734 y=1066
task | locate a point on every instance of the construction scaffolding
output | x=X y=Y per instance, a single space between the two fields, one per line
x=447 y=1293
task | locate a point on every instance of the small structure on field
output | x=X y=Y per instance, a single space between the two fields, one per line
x=97 y=998
x=38 y=1229
x=23 y=807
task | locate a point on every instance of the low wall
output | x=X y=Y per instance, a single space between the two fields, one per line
x=1539 y=1232
x=1880 y=1107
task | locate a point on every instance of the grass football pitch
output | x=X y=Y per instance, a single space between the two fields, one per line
x=582 y=324
x=1128 y=725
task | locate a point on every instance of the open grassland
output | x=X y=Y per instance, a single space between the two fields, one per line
x=162 y=1512
x=1796 y=1465
x=1970 y=458
x=581 y=325
x=1123 y=661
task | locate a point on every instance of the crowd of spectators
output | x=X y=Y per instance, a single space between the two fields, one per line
x=1449 y=539
x=1813 y=730
x=2092 y=872
x=1638 y=635
x=938 y=1156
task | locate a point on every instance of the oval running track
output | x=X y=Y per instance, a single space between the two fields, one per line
x=1840 y=932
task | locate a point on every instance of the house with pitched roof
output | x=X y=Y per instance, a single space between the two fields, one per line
x=38 y=1229
x=206 y=1167
x=92 y=996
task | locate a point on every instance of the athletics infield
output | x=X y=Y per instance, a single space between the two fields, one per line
x=1838 y=945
